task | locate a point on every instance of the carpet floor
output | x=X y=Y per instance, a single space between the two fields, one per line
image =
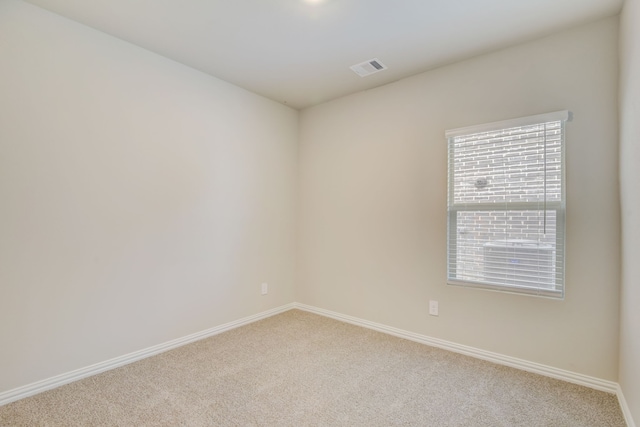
x=300 y=369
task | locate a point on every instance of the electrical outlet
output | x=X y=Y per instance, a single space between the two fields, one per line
x=264 y=288
x=433 y=308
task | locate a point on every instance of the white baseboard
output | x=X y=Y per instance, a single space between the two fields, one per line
x=625 y=408
x=525 y=365
x=58 y=380
x=572 y=377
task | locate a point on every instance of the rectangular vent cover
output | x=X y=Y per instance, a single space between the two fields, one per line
x=369 y=67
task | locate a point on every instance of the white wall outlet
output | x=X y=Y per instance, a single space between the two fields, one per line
x=433 y=308
x=264 y=288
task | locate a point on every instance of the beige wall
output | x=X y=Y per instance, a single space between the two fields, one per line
x=140 y=200
x=372 y=201
x=630 y=198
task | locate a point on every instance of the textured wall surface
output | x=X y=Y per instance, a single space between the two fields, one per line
x=142 y=200
x=630 y=198
x=373 y=201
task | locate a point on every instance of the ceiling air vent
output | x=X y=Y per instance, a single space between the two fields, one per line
x=369 y=67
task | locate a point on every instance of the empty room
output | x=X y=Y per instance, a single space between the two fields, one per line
x=320 y=212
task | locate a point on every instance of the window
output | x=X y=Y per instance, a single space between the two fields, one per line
x=506 y=205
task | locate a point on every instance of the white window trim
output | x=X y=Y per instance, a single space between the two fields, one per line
x=560 y=207
x=564 y=116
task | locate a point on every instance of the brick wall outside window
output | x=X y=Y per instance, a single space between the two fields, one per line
x=505 y=210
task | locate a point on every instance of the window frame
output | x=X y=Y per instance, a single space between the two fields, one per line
x=559 y=207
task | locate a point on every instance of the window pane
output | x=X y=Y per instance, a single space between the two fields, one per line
x=506 y=205
x=508 y=165
x=506 y=248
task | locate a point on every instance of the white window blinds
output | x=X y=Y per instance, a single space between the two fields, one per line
x=506 y=205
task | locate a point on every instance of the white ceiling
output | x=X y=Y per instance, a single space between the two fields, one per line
x=299 y=51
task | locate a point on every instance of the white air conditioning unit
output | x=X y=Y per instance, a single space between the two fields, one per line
x=519 y=263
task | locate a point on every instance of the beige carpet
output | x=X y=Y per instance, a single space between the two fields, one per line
x=299 y=369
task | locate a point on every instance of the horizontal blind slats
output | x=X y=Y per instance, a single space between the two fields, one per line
x=506 y=205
